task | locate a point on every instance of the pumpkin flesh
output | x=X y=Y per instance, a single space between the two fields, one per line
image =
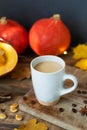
x=8 y=58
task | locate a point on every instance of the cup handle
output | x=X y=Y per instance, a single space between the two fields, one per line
x=72 y=88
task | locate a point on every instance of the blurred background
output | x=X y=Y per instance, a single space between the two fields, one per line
x=26 y=12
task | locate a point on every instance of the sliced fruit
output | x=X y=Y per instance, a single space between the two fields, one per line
x=8 y=58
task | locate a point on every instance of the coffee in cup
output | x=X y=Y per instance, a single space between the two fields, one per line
x=48 y=66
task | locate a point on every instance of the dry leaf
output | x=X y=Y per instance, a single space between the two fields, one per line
x=34 y=125
x=82 y=64
x=80 y=51
x=21 y=71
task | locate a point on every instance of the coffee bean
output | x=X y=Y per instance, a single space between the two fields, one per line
x=79 y=91
x=74 y=110
x=25 y=98
x=33 y=102
x=2 y=110
x=85 y=101
x=84 y=92
x=74 y=105
x=61 y=109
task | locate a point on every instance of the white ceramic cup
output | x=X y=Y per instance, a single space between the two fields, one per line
x=49 y=87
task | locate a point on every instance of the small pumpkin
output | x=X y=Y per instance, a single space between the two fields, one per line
x=14 y=34
x=49 y=36
x=8 y=58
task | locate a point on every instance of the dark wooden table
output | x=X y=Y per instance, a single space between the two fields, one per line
x=17 y=88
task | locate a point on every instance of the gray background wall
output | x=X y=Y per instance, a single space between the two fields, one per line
x=73 y=13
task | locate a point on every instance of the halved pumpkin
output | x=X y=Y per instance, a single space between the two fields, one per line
x=8 y=58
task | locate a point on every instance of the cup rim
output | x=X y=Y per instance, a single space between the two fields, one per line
x=34 y=62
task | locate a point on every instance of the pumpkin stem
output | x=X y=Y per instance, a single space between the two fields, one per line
x=57 y=17
x=3 y=20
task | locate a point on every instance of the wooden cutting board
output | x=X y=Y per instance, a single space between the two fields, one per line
x=66 y=113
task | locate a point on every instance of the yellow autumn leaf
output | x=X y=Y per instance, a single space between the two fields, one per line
x=34 y=125
x=21 y=127
x=82 y=64
x=80 y=51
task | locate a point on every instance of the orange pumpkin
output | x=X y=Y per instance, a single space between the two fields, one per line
x=13 y=33
x=49 y=36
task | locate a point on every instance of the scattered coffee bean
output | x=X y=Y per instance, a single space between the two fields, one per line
x=85 y=101
x=25 y=98
x=2 y=110
x=74 y=110
x=84 y=92
x=79 y=91
x=74 y=105
x=61 y=109
x=33 y=102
